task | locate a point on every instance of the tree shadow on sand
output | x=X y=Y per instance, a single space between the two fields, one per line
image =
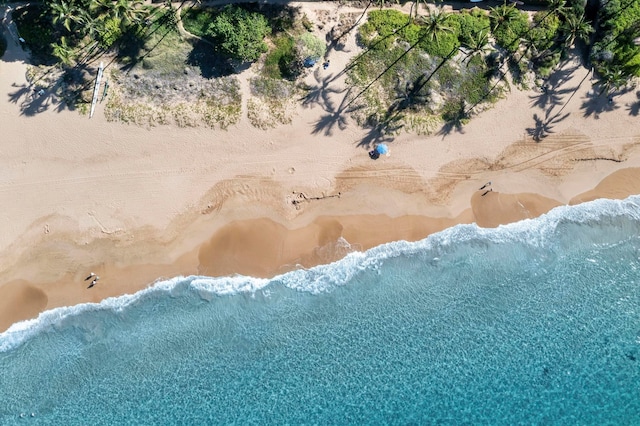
x=561 y=76
x=597 y=103
x=335 y=117
x=634 y=108
x=455 y=119
x=549 y=97
x=383 y=131
x=544 y=126
x=321 y=93
x=551 y=94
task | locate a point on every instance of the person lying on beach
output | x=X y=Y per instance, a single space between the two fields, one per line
x=94 y=282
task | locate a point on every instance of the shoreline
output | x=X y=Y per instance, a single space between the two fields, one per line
x=246 y=247
x=135 y=205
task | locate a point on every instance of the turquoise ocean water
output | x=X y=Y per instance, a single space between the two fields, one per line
x=537 y=322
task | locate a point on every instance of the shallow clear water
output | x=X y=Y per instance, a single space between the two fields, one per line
x=532 y=323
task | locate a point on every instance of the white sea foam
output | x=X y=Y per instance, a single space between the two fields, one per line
x=534 y=232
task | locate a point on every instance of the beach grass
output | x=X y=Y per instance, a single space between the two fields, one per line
x=273 y=102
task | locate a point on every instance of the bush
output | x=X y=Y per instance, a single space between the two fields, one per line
x=544 y=31
x=444 y=45
x=110 y=33
x=380 y=26
x=309 y=45
x=196 y=21
x=469 y=25
x=280 y=62
x=35 y=29
x=509 y=25
x=616 y=49
x=239 y=33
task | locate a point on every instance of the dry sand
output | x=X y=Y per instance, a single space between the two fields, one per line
x=135 y=205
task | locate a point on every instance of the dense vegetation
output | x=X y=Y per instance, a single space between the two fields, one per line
x=422 y=69
x=244 y=34
x=616 y=52
x=3 y=45
x=415 y=68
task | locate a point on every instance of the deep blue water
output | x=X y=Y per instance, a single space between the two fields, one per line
x=532 y=323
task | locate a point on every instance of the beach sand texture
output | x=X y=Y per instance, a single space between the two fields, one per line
x=137 y=204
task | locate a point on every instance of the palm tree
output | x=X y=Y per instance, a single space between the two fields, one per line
x=128 y=12
x=576 y=28
x=478 y=45
x=64 y=13
x=501 y=15
x=612 y=79
x=559 y=7
x=63 y=51
x=435 y=23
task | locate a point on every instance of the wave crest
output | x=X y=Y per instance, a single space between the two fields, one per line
x=550 y=231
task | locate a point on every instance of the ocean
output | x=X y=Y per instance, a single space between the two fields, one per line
x=536 y=322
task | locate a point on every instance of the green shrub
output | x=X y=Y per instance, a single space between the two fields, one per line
x=279 y=62
x=616 y=51
x=239 y=33
x=110 y=33
x=469 y=25
x=310 y=46
x=380 y=26
x=196 y=21
x=444 y=45
x=544 y=31
x=509 y=25
x=35 y=28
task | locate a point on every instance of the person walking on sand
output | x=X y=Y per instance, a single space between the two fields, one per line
x=91 y=275
x=487 y=191
x=485 y=185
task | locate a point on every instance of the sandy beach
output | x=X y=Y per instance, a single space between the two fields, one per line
x=135 y=205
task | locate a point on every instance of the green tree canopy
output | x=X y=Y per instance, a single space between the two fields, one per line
x=239 y=33
x=616 y=48
x=509 y=25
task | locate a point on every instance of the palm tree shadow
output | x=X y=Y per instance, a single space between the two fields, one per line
x=634 y=108
x=21 y=92
x=327 y=123
x=320 y=94
x=335 y=117
x=549 y=97
x=450 y=127
x=544 y=126
x=454 y=120
x=36 y=105
x=561 y=76
x=596 y=104
x=383 y=131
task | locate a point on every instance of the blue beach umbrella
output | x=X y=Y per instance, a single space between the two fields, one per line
x=382 y=149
